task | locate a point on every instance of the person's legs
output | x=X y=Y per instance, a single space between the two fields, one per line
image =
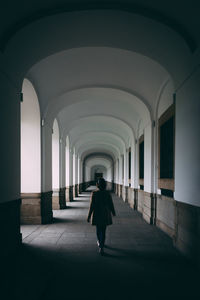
x=101 y=235
x=98 y=234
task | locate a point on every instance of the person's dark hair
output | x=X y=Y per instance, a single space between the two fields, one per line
x=101 y=184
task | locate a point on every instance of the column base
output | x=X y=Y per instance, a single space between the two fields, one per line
x=55 y=200
x=117 y=189
x=59 y=199
x=73 y=188
x=109 y=186
x=80 y=188
x=69 y=193
x=120 y=190
x=11 y=238
x=76 y=190
x=126 y=194
x=71 y=198
x=36 y=208
x=140 y=201
x=131 y=197
x=149 y=207
x=135 y=199
x=62 y=198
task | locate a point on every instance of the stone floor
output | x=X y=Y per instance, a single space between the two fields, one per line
x=61 y=260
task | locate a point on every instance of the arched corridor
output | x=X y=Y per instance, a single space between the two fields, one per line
x=100 y=89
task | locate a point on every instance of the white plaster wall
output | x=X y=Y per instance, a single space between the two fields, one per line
x=62 y=164
x=55 y=156
x=136 y=171
x=187 y=142
x=147 y=158
x=109 y=175
x=67 y=165
x=140 y=131
x=74 y=172
x=76 y=169
x=30 y=140
x=166 y=98
x=117 y=171
x=46 y=158
x=87 y=174
x=79 y=170
x=133 y=164
x=67 y=158
x=70 y=167
x=125 y=168
x=120 y=169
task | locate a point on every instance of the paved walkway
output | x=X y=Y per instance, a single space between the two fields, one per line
x=61 y=260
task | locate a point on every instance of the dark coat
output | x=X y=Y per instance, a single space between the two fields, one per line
x=101 y=207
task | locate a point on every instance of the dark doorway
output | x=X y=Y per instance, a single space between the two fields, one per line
x=97 y=176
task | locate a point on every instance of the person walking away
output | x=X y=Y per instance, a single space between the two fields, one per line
x=100 y=212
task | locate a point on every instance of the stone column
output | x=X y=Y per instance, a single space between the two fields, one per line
x=11 y=237
x=62 y=198
x=126 y=176
x=62 y=181
x=135 y=199
x=80 y=188
x=71 y=175
x=55 y=199
x=79 y=175
x=76 y=175
x=67 y=197
x=46 y=194
x=10 y=165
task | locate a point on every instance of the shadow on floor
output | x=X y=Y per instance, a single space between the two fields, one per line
x=47 y=273
x=63 y=220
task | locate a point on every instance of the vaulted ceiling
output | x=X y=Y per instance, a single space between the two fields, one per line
x=99 y=67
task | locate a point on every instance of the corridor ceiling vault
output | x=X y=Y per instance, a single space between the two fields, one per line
x=104 y=70
x=167 y=13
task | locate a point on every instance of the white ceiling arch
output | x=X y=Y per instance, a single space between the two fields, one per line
x=86 y=67
x=98 y=152
x=99 y=101
x=98 y=135
x=94 y=161
x=99 y=146
x=103 y=124
x=97 y=138
x=95 y=155
x=119 y=29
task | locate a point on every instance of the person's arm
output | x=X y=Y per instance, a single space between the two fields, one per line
x=112 y=206
x=91 y=209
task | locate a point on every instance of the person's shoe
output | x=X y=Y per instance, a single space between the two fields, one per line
x=101 y=251
x=98 y=243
